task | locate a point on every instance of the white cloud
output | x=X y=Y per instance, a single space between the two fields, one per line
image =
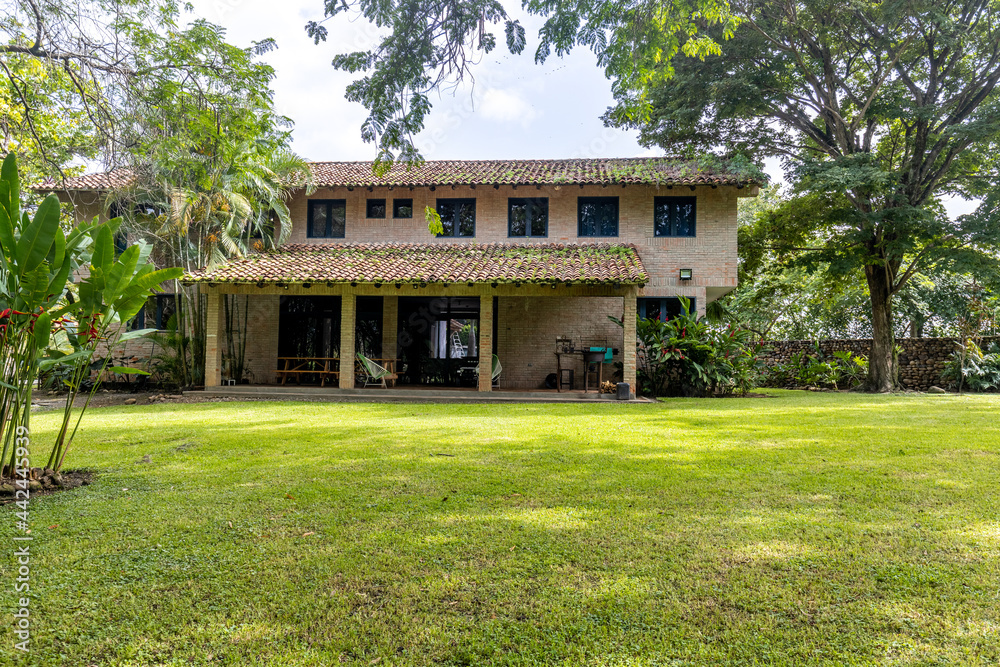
x=506 y=106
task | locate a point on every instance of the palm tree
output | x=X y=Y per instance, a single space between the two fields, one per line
x=205 y=211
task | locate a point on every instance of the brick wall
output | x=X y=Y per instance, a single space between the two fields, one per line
x=527 y=328
x=920 y=364
x=711 y=254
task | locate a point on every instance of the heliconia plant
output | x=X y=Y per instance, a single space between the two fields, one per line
x=36 y=260
x=37 y=263
x=114 y=291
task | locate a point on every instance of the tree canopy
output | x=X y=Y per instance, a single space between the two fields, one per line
x=99 y=80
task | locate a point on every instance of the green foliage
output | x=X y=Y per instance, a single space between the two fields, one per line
x=36 y=259
x=973 y=368
x=113 y=79
x=839 y=370
x=876 y=121
x=434 y=224
x=688 y=356
x=114 y=290
x=38 y=309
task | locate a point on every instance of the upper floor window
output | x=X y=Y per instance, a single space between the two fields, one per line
x=458 y=216
x=673 y=216
x=375 y=208
x=598 y=216
x=528 y=217
x=327 y=218
x=402 y=208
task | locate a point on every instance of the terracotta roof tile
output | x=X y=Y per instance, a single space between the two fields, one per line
x=525 y=172
x=433 y=263
x=597 y=171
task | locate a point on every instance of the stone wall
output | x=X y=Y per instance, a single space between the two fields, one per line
x=921 y=363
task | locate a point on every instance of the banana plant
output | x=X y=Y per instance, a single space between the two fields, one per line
x=112 y=293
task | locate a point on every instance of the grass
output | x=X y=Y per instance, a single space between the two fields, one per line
x=802 y=529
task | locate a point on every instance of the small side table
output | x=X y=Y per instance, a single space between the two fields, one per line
x=565 y=379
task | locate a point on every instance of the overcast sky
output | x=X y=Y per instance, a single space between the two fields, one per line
x=515 y=109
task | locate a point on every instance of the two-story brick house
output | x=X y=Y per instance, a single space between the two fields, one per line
x=532 y=251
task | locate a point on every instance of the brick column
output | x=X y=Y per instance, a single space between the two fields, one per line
x=348 y=310
x=629 y=338
x=390 y=322
x=486 y=343
x=213 y=339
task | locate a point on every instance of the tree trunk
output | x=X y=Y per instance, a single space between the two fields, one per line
x=881 y=359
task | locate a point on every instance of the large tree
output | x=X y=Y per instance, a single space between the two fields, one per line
x=879 y=108
x=82 y=81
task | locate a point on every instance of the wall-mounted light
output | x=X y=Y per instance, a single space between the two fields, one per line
x=686 y=274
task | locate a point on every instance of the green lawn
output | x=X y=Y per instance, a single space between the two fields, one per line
x=809 y=528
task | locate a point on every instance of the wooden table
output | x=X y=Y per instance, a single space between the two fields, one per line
x=327 y=368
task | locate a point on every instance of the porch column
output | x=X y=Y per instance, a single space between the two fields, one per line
x=348 y=310
x=213 y=339
x=486 y=343
x=629 y=339
x=390 y=322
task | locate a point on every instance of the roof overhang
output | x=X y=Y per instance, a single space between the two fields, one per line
x=433 y=173
x=432 y=263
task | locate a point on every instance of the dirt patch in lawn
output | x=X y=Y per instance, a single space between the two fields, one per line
x=44 y=482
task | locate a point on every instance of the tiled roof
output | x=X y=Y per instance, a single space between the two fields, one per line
x=526 y=172
x=433 y=263
x=598 y=171
x=114 y=179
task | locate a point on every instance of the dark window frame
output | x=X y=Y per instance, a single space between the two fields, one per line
x=533 y=204
x=671 y=224
x=329 y=204
x=397 y=203
x=457 y=202
x=642 y=306
x=375 y=202
x=583 y=201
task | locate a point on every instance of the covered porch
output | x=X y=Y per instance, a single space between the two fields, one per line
x=433 y=330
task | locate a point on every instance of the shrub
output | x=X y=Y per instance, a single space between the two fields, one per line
x=973 y=368
x=688 y=356
x=840 y=370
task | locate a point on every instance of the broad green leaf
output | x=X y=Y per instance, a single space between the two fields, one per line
x=58 y=248
x=33 y=291
x=104 y=248
x=46 y=364
x=37 y=237
x=138 y=333
x=43 y=329
x=145 y=281
x=121 y=273
x=6 y=222
x=126 y=370
x=11 y=199
x=58 y=281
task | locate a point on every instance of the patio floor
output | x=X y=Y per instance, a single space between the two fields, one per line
x=410 y=394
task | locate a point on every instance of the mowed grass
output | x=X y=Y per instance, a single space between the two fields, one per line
x=801 y=529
